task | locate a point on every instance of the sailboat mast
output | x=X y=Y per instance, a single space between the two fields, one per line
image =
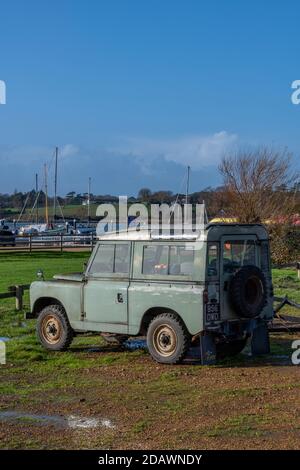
x=46 y=194
x=37 y=202
x=89 y=198
x=187 y=185
x=55 y=185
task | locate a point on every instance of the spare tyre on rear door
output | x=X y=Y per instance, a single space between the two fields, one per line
x=248 y=291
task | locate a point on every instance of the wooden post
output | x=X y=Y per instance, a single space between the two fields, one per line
x=298 y=269
x=30 y=243
x=61 y=242
x=19 y=298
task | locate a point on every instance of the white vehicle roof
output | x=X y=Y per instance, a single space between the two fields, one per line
x=211 y=232
x=147 y=234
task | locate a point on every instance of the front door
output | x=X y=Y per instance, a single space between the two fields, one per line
x=236 y=251
x=105 y=296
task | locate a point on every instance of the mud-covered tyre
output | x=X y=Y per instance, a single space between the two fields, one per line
x=230 y=349
x=167 y=339
x=248 y=291
x=53 y=328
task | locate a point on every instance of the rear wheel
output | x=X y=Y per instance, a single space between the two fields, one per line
x=53 y=328
x=167 y=339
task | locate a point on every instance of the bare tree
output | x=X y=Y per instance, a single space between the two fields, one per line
x=144 y=194
x=259 y=185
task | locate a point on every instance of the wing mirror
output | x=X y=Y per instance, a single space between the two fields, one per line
x=40 y=275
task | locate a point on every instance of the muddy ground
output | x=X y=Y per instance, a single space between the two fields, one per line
x=95 y=396
x=99 y=397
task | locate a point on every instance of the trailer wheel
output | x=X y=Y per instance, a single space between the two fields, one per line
x=53 y=328
x=231 y=348
x=167 y=339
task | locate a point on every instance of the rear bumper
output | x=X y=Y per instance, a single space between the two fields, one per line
x=236 y=328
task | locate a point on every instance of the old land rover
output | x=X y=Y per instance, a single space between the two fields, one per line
x=213 y=291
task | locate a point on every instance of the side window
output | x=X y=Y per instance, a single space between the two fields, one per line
x=104 y=260
x=168 y=260
x=155 y=259
x=122 y=258
x=213 y=260
x=111 y=259
x=181 y=260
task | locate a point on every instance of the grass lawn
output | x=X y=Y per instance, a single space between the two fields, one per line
x=242 y=403
x=286 y=282
x=21 y=268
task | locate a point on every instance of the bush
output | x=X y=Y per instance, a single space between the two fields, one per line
x=285 y=244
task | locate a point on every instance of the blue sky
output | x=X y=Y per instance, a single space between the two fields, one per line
x=133 y=91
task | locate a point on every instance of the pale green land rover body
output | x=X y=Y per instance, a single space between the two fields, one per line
x=211 y=291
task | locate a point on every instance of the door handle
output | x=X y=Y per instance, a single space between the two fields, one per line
x=120 y=298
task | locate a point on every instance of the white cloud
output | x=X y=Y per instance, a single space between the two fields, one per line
x=68 y=150
x=198 y=151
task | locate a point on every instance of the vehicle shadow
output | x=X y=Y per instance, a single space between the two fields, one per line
x=280 y=355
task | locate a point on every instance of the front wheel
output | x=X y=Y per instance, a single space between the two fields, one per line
x=167 y=339
x=53 y=328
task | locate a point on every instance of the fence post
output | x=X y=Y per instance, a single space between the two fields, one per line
x=298 y=269
x=19 y=298
x=30 y=243
x=61 y=242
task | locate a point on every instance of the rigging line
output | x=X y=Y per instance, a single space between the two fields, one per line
x=51 y=160
x=49 y=164
x=24 y=207
x=61 y=211
x=35 y=202
x=177 y=196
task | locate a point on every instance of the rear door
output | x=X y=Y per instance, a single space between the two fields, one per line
x=236 y=251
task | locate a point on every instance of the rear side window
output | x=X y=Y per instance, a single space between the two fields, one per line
x=168 y=260
x=181 y=260
x=111 y=259
x=155 y=259
x=238 y=253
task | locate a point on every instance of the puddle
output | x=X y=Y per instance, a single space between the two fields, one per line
x=89 y=423
x=95 y=349
x=134 y=344
x=72 y=421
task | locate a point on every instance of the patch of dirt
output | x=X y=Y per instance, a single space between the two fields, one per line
x=243 y=404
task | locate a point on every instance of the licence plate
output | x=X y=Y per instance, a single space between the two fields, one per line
x=212 y=312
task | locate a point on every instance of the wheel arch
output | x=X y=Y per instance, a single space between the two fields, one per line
x=43 y=302
x=153 y=312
